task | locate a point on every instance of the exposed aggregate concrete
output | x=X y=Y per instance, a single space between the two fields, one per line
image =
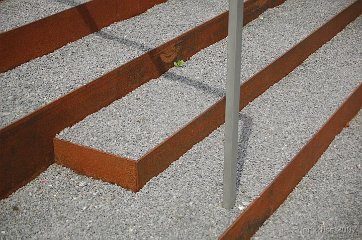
x=184 y=201
x=17 y=13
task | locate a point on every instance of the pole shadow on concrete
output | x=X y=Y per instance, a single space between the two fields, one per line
x=245 y=131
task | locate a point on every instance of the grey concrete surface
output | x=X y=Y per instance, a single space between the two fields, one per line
x=17 y=13
x=327 y=203
x=144 y=118
x=184 y=202
x=45 y=79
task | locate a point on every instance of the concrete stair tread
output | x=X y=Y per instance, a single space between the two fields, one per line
x=184 y=201
x=325 y=203
x=14 y=14
x=45 y=79
x=35 y=132
x=133 y=125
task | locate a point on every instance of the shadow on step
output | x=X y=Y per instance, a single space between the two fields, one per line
x=196 y=84
x=244 y=135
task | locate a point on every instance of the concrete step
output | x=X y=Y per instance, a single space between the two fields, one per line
x=139 y=136
x=326 y=203
x=14 y=14
x=43 y=34
x=184 y=202
x=27 y=142
x=46 y=79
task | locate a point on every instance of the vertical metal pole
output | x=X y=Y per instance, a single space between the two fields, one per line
x=232 y=101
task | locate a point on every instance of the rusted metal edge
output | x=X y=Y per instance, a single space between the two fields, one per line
x=96 y=164
x=275 y=194
x=43 y=36
x=159 y=158
x=27 y=144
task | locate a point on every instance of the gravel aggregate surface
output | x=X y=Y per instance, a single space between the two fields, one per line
x=43 y=80
x=133 y=125
x=327 y=203
x=17 y=13
x=184 y=202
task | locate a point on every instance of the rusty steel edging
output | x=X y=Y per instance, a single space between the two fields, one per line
x=27 y=144
x=159 y=158
x=246 y=225
x=38 y=38
x=96 y=164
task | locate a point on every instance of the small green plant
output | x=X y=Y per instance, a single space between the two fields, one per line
x=179 y=63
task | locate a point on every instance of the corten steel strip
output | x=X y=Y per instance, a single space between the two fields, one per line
x=97 y=164
x=158 y=159
x=275 y=194
x=27 y=144
x=43 y=36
